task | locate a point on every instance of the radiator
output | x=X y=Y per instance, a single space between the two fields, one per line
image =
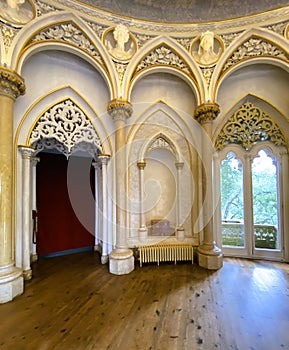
x=157 y=253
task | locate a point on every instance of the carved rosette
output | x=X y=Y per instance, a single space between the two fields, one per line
x=119 y=109
x=206 y=112
x=11 y=84
x=247 y=126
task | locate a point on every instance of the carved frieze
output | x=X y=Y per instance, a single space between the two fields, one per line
x=255 y=47
x=66 y=128
x=163 y=55
x=247 y=126
x=68 y=32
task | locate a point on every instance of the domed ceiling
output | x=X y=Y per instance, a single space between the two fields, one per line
x=186 y=11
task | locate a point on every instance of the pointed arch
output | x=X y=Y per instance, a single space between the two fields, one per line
x=168 y=56
x=244 y=51
x=40 y=36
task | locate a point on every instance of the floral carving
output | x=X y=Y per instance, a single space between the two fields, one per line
x=278 y=28
x=70 y=33
x=163 y=56
x=43 y=8
x=66 y=128
x=247 y=126
x=254 y=47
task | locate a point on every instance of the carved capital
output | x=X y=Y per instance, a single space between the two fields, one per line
x=26 y=151
x=119 y=109
x=179 y=165
x=141 y=165
x=103 y=158
x=11 y=84
x=207 y=112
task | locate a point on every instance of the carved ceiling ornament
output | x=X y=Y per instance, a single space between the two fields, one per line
x=247 y=126
x=70 y=33
x=163 y=55
x=255 y=47
x=66 y=128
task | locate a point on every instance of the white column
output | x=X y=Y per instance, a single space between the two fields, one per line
x=27 y=153
x=96 y=199
x=11 y=280
x=284 y=190
x=103 y=159
x=180 y=229
x=121 y=259
x=143 y=232
x=33 y=245
x=209 y=255
x=248 y=212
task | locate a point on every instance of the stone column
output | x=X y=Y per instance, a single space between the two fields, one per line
x=209 y=255
x=104 y=158
x=121 y=260
x=27 y=153
x=180 y=229
x=33 y=244
x=11 y=279
x=96 y=201
x=143 y=231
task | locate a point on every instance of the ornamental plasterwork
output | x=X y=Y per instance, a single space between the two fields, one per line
x=278 y=28
x=43 y=8
x=160 y=142
x=66 y=128
x=254 y=47
x=69 y=33
x=163 y=55
x=8 y=35
x=247 y=126
x=97 y=28
x=142 y=39
x=185 y=42
x=229 y=38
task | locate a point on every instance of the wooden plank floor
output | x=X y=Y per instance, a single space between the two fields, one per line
x=74 y=303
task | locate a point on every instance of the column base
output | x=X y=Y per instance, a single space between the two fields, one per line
x=33 y=258
x=121 y=261
x=11 y=283
x=104 y=259
x=180 y=232
x=27 y=274
x=210 y=257
x=143 y=233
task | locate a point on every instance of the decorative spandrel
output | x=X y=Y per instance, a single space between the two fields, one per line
x=247 y=126
x=66 y=128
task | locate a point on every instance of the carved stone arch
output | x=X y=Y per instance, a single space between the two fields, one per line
x=252 y=47
x=66 y=32
x=164 y=54
x=248 y=125
x=159 y=141
x=65 y=128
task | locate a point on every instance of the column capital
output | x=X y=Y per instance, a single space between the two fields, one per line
x=26 y=151
x=11 y=83
x=119 y=109
x=103 y=158
x=35 y=161
x=179 y=165
x=206 y=112
x=141 y=165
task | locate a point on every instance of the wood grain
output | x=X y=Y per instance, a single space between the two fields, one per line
x=73 y=302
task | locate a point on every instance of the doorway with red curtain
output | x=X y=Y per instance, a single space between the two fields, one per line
x=59 y=229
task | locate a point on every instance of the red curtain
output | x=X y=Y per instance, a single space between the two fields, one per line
x=59 y=228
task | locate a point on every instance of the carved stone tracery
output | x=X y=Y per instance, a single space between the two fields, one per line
x=66 y=128
x=247 y=126
x=160 y=142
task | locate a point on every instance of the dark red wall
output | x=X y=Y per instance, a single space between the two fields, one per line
x=59 y=227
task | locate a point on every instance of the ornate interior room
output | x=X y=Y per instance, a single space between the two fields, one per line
x=142 y=134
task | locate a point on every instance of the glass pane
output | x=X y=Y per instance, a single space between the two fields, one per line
x=265 y=201
x=232 y=202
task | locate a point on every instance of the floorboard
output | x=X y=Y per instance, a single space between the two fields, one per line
x=73 y=302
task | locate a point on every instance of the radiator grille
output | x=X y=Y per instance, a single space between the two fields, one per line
x=158 y=253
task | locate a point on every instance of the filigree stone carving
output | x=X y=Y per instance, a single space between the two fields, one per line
x=160 y=142
x=142 y=39
x=185 y=42
x=278 y=28
x=163 y=55
x=11 y=84
x=247 y=126
x=207 y=112
x=254 y=47
x=97 y=28
x=70 y=33
x=66 y=128
x=229 y=38
x=43 y=8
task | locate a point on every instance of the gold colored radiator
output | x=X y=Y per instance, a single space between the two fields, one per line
x=157 y=253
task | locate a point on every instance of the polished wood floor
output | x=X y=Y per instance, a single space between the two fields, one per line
x=74 y=303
